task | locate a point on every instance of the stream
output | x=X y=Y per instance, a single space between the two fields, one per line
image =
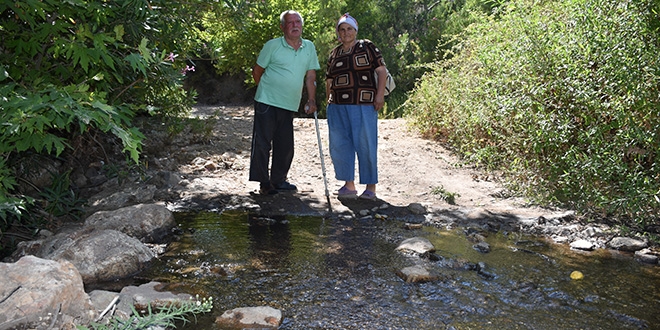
x=341 y=274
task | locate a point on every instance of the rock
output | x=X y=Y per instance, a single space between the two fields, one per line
x=164 y=180
x=411 y=226
x=416 y=274
x=99 y=255
x=582 y=244
x=416 y=245
x=101 y=299
x=138 y=298
x=646 y=256
x=479 y=214
x=146 y=222
x=253 y=317
x=129 y=196
x=34 y=289
x=210 y=166
x=106 y=255
x=482 y=247
x=627 y=244
x=416 y=208
x=151 y=294
x=42 y=248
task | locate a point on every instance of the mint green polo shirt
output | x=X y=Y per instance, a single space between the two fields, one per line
x=282 y=83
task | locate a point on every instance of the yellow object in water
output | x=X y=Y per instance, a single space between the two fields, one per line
x=577 y=275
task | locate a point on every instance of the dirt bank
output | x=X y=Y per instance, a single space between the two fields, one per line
x=411 y=169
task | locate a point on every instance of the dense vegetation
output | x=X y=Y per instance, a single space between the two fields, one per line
x=561 y=95
x=564 y=97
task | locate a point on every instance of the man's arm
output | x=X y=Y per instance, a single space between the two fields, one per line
x=310 y=83
x=257 y=72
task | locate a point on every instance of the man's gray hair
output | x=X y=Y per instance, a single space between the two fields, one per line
x=290 y=12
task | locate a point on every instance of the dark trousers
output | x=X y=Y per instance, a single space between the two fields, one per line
x=273 y=127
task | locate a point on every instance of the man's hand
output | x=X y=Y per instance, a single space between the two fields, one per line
x=310 y=106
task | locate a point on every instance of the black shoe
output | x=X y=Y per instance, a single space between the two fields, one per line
x=267 y=189
x=285 y=186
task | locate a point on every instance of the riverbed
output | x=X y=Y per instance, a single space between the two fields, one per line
x=341 y=273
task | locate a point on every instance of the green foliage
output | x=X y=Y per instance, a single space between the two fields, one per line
x=71 y=69
x=37 y=120
x=562 y=95
x=165 y=317
x=410 y=34
x=447 y=196
x=237 y=31
x=60 y=199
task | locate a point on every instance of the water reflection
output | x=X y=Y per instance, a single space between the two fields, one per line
x=340 y=274
x=269 y=241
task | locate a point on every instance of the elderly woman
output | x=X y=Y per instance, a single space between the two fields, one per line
x=354 y=99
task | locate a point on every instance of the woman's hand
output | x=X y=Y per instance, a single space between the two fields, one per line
x=379 y=102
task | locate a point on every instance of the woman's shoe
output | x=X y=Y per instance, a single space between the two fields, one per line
x=368 y=194
x=345 y=193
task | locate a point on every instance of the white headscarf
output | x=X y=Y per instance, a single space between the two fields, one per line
x=348 y=19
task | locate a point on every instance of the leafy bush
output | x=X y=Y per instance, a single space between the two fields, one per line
x=562 y=96
x=71 y=69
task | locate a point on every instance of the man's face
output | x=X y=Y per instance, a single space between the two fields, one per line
x=292 y=27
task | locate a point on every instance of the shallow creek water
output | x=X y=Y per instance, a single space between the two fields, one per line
x=341 y=274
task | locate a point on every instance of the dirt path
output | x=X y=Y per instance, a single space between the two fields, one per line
x=411 y=170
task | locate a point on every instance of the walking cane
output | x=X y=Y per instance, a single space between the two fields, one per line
x=325 y=180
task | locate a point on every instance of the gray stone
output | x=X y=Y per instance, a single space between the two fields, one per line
x=99 y=255
x=34 y=289
x=582 y=244
x=263 y=317
x=416 y=274
x=627 y=244
x=105 y=255
x=129 y=196
x=136 y=297
x=146 y=222
x=482 y=247
x=417 y=208
x=646 y=256
x=417 y=245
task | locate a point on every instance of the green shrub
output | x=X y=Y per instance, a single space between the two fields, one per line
x=72 y=69
x=562 y=96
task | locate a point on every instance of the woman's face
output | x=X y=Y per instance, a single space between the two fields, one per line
x=346 y=33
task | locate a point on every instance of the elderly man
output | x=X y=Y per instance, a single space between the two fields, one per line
x=283 y=66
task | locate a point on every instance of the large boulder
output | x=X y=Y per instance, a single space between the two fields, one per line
x=105 y=255
x=112 y=200
x=147 y=222
x=40 y=294
x=99 y=255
